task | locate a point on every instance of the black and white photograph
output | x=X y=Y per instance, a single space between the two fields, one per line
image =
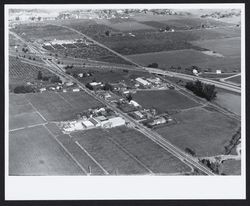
x=136 y=92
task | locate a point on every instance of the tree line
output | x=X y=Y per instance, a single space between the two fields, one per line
x=203 y=90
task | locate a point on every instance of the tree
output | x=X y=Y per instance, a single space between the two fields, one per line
x=203 y=90
x=107 y=33
x=23 y=89
x=129 y=97
x=39 y=75
x=89 y=86
x=55 y=79
x=153 y=65
x=45 y=78
x=209 y=92
x=108 y=86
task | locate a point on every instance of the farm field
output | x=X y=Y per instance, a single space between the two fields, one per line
x=231 y=167
x=33 y=151
x=21 y=72
x=21 y=113
x=164 y=101
x=61 y=106
x=230 y=47
x=112 y=76
x=146 y=41
x=187 y=57
x=126 y=151
x=229 y=101
x=36 y=32
x=182 y=23
x=205 y=132
x=130 y=26
x=93 y=52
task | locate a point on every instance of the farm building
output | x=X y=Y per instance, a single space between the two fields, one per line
x=134 y=103
x=160 y=120
x=69 y=84
x=78 y=126
x=101 y=118
x=80 y=75
x=42 y=89
x=139 y=114
x=113 y=122
x=95 y=122
x=87 y=124
x=142 y=81
x=154 y=80
x=76 y=90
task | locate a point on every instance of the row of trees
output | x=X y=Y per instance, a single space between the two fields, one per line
x=23 y=89
x=203 y=90
x=52 y=79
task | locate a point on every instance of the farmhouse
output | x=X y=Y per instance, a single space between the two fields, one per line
x=142 y=81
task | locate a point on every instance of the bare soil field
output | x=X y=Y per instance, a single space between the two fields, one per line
x=33 y=151
x=164 y=101
x=126 y=151
x=230 y=47
x=112 y=158
x=203 y=131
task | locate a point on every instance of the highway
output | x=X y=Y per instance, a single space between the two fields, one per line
x=218 y=84
x=187 y=159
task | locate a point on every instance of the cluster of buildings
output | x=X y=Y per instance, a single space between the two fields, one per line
x=97 y=118
x=58 y=87
x=152 y=83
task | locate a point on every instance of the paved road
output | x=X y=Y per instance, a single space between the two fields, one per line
x=222 y=85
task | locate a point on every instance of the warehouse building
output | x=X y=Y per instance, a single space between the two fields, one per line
x=142 y=81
